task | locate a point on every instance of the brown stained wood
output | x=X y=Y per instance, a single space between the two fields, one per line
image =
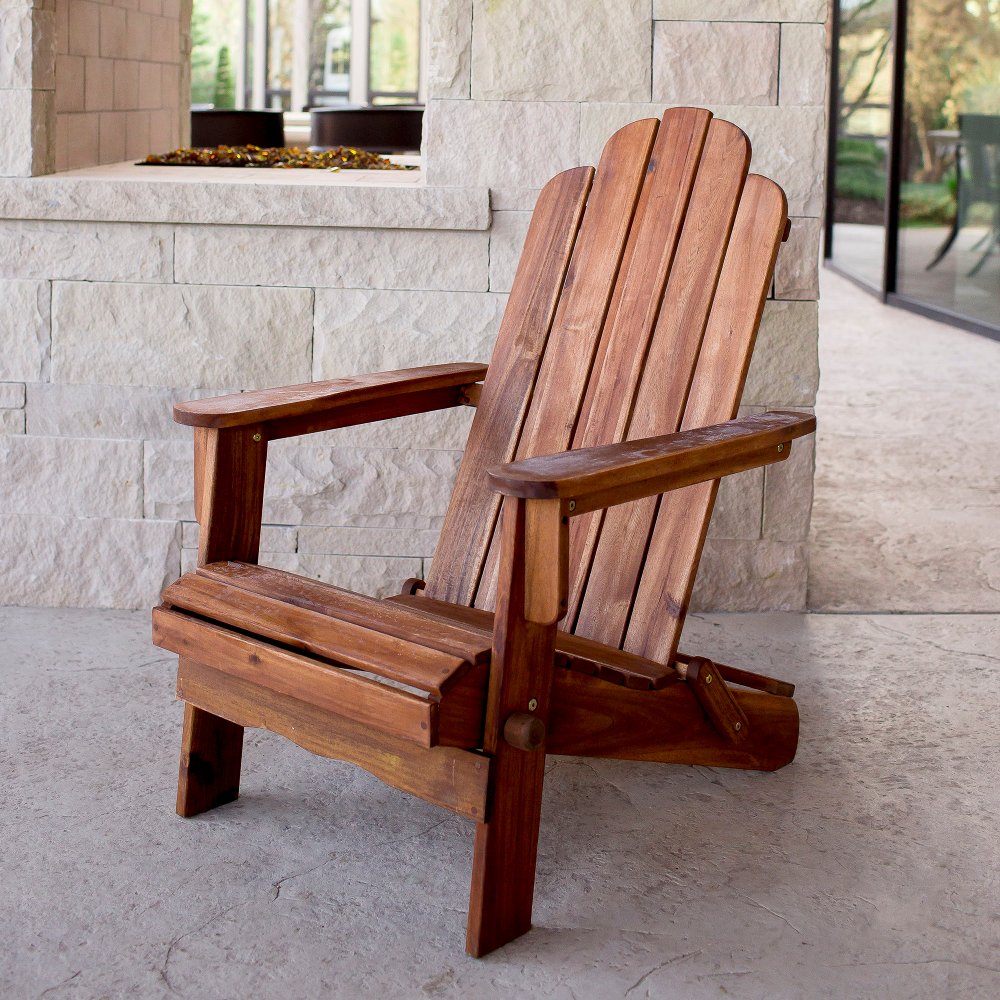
x=310 y=400
x=593 y=719
x=342 y=692
x=231 y=491
x=681 y=522
x=652 y=465
x=503 y=866
x=524 y=731
x=609 y=549
x=746 y=678
x=503 y=399
x=546 y=531
x=590 y=281
x=211 y=753
x=324 y=599
x=717 y=701
x=642 y=291
x=455 y=779
x=340 y=642
x=572 y=652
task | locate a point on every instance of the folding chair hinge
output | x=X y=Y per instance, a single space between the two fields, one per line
x=714 y=696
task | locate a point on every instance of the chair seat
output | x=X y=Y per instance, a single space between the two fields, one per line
x=415 y=666
x=404 y=673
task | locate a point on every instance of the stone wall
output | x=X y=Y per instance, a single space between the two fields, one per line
x=120 y=79
x=122 y=294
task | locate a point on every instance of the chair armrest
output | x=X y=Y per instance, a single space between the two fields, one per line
x=594 y=478
x=341 y=402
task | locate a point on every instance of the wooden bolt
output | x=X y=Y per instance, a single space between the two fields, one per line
x=524 y=731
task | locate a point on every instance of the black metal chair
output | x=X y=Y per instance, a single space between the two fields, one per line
x=977 y=168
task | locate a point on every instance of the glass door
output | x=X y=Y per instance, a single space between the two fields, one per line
x=949 y=192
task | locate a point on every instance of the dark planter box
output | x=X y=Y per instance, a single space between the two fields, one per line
x=237 y=128
x=377 y=129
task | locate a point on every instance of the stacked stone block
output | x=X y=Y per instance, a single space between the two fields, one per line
x=121 y=79
x=119 y=298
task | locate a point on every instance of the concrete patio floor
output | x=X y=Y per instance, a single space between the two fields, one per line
x=867 y=868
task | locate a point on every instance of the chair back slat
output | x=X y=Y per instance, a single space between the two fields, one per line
x=608 y=552
x=665 y=584
x=531 y=307
x=587 y=290
x=633 y=314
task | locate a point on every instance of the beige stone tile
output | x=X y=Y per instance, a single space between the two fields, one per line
x=139 y=35
x=150 y=94
x=803 y=56
x=112 y=136
x=352 y=329
x=449 y=49
x=116 y=563
x=83 y=140
x=100 y=84
x=24 y=330
x=601 y=51
x=703 y=62
x=114 y=32
x=742 y=10
x=84 y=28
x=175 y=335
x=70 y=76
x=126 y=94
x=136 y=134
x=796 y=273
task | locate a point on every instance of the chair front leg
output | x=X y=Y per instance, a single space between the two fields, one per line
x=506 y=845
x=229 y=498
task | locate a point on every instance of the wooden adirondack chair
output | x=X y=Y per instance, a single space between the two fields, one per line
x=603 y=424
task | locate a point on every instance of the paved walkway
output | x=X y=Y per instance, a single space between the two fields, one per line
x=866 y=869
x=906 y=514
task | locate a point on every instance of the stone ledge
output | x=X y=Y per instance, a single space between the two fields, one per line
x=363 y=199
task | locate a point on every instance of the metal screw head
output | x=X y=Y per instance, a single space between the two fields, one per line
x=572 y=506
x=738 y=726
x=781 y=448
x=256 y=436
x=533 y=704
x=708 y=678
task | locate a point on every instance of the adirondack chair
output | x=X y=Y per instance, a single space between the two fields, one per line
x=602 y=426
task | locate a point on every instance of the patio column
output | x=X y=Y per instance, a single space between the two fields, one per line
x=259 y=89
x=301 y=33
x=360 y=27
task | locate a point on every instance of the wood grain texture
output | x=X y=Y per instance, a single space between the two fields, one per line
x=504 y=397
x=311 y=399
x=573 y=652
x=386 y=617
x=659 y=238
x=593 y=719
x=211 y=754
x=455 y=779
x=652 y=464
x=590 y=282
x=342 y=692
x=609 y=552
x=503 y=866
x=338 y=642
x=678 y=534
x=717 y=701
x=231 y=492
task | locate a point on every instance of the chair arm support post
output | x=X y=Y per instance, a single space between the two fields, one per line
x=229 y=492
x=546 y=564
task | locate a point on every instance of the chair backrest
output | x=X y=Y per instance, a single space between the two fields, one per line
x=633 y=313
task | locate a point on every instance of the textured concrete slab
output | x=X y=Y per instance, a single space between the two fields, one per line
x=906 y=515
x=867 y=868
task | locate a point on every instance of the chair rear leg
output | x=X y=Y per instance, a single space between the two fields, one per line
x=211 y=753
x=506 y=847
